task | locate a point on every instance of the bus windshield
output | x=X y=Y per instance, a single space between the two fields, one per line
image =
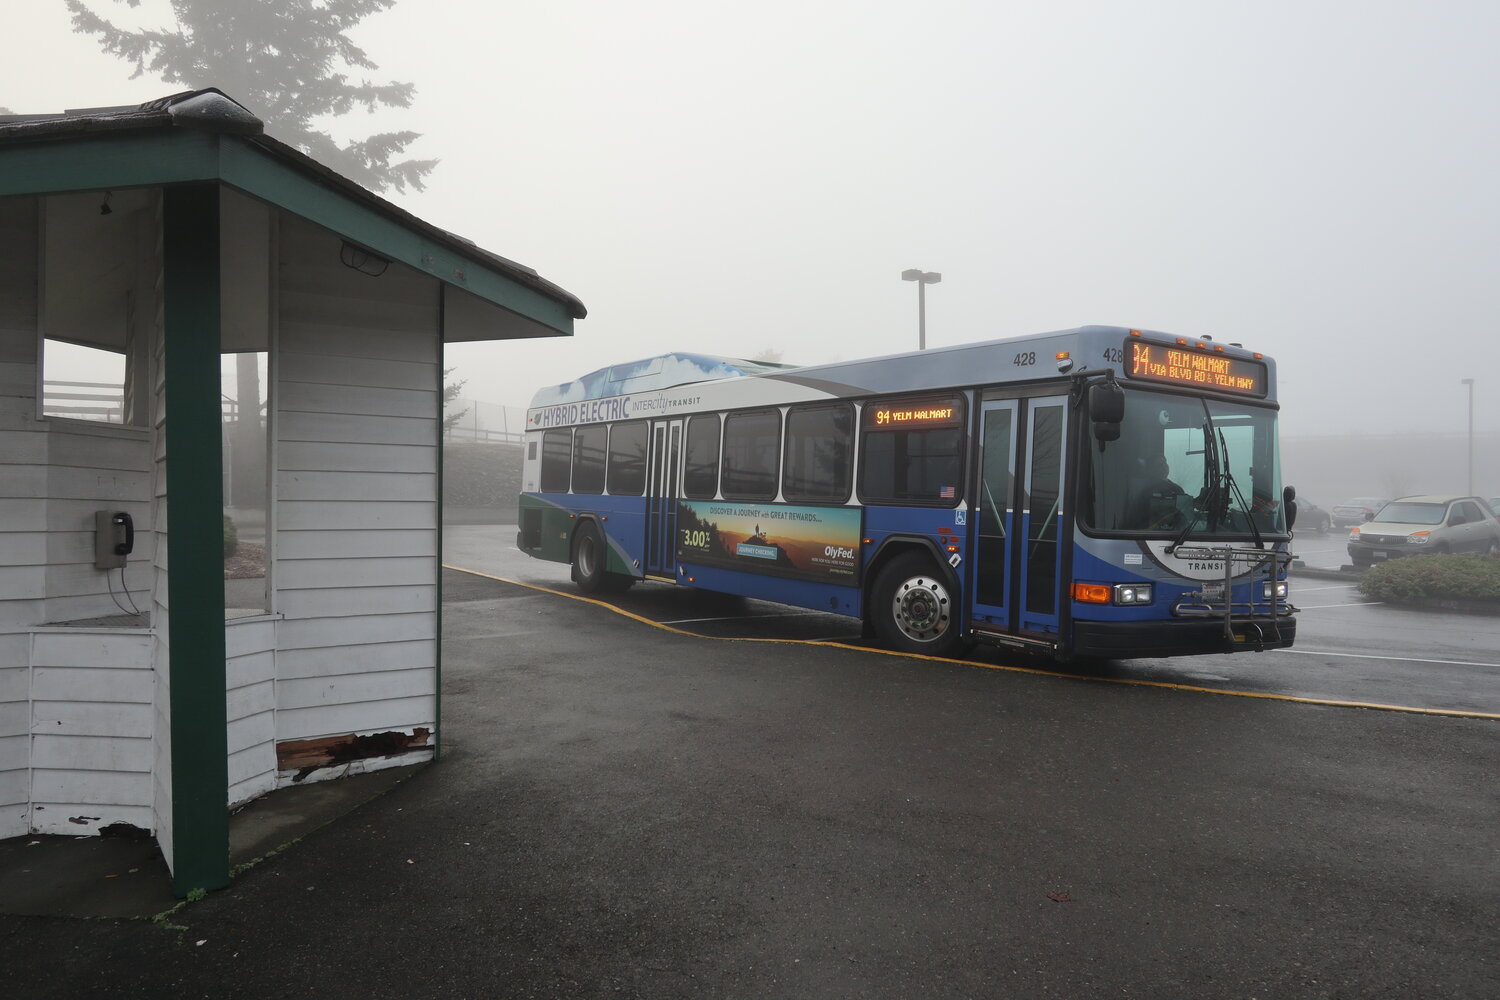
x=1186 y=467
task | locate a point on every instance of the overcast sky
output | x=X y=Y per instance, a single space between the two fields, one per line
x=1316 y=180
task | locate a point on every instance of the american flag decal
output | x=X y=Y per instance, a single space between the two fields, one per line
x=946 y=493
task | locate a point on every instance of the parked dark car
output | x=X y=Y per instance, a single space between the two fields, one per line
x=1311 y=517
x=1351 y=512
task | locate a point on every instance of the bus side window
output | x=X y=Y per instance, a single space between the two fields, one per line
x=627 y=459
x=752 y=455
x=700 y=470
x=818 y=452
x=557 y=460
x=588 y=458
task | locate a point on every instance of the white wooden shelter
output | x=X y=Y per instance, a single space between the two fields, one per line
x=168 y=235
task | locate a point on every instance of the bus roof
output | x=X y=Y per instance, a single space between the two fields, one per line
x=956 y=365
x=648 y=374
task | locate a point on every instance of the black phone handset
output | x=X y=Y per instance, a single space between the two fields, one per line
x=126 y=545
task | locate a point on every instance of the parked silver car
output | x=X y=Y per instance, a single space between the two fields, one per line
x=1435 y=524
x=1353 y=511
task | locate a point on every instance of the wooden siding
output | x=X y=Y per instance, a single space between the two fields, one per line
x=92 y=726
x=23 y=452
x=250 y=665
x=357 y=407
x=161 y=661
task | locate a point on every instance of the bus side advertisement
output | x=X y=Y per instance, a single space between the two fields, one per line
x=819 y=543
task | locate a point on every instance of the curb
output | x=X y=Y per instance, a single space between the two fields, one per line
x=1347 y=573
x=1460 y=605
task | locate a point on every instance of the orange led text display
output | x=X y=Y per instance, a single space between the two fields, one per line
x=1211 y=371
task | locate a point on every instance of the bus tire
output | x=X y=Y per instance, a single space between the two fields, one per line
x=914 y=607
x=590 y=556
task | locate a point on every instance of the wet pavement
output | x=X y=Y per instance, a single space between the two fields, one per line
x=625 y=811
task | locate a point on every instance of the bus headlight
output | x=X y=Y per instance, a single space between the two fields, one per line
x=1132 y=593
x=1273 y=588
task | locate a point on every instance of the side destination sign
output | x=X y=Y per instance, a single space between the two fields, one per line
x=593 y=411
x=1203 y=369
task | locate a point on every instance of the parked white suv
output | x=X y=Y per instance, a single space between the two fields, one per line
x=1435 y=524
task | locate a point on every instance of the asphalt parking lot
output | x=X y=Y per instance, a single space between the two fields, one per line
x=626 y=811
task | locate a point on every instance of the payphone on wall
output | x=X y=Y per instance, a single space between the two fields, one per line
x=114 y=538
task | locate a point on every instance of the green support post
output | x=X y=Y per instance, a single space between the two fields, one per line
x=195 y=542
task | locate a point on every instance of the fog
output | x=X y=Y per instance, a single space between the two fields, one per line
x=1315 y=180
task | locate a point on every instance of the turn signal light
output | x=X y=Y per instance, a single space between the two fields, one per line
x=1091 y=593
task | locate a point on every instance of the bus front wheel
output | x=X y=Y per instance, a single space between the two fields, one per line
x=915 y=608
x=590 y=556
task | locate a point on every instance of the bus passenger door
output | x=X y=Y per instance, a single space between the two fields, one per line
x=995 y=514
x=1042 y=514
x=661 y=499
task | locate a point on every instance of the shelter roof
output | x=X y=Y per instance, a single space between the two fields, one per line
x=168 y=141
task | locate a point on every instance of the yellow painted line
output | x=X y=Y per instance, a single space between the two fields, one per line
x=1328 y=702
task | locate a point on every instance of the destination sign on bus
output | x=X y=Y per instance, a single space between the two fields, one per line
x=1186 y=366
x=941 y=412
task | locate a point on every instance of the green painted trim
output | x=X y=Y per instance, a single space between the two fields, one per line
x=134 y=159
x=195 y=538
x=437 y=681
x=257 y=173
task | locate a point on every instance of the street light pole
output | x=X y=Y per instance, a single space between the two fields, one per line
x=1470 y=383
x=923 y=279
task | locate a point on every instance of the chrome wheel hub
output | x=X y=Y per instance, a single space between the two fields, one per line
x=921 y=608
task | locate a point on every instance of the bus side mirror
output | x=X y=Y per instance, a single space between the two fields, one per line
x=1107 y=408
x=1289 y=501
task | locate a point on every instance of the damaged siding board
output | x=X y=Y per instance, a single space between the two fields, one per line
x=356 y=717
x=72 y=819
x=394 y=747
x=92 y=724
x=357 y=484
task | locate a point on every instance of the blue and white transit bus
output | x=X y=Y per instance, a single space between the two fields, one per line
x=1097 y=492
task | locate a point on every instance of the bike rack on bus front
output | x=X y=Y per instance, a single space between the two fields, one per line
x=1207 y=604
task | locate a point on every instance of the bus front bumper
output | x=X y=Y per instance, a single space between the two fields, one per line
x=1135 y=640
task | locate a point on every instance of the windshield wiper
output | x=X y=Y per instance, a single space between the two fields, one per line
x=1232 y=485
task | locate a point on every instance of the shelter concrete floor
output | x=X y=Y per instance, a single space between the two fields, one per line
x=126 y=876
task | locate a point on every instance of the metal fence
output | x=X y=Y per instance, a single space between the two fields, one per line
x=487 y=423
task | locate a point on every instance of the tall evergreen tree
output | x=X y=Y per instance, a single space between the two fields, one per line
x=287 y=61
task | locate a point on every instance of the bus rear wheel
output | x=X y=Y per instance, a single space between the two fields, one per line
x=590 y=556
x=914 y=607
